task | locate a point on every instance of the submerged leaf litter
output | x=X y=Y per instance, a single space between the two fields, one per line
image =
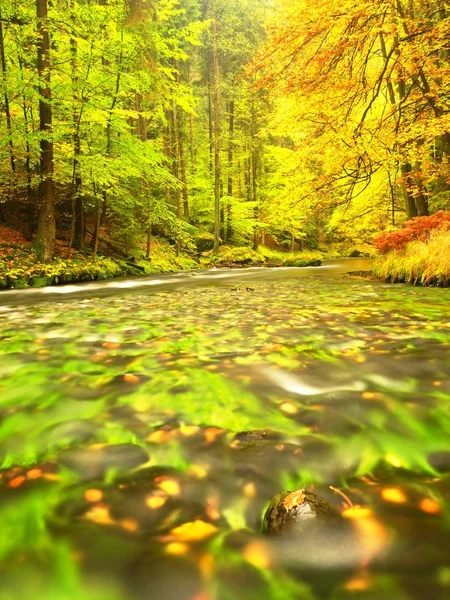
x=142 y=437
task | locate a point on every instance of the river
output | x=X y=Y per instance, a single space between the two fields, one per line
x=146 y=423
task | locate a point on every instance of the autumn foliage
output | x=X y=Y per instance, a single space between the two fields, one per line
x=419 y=228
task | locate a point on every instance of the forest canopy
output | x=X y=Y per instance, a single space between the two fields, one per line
x=248 y=121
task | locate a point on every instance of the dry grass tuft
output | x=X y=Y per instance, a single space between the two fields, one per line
x=419 y=263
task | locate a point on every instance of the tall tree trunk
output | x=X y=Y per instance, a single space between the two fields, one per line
x=12 y=158
x=76 y=238
x=210 y=123
x=217 y=132
x=182 y=156
x=109 y=124
x=405 y=168
x=191 y=129
x=45 y=238
x=254 y=172
x=97 y=229
x=230 y=170
x=141 y=133
x=30 y=206
x=411 y=208
x=175 y=166
x=255 y=197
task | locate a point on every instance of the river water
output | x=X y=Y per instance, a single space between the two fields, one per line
x=147 y=422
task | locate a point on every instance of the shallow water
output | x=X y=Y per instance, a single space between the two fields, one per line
x=131 y=466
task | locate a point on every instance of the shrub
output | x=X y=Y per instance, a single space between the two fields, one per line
x=422 y=262
x=204 y=242
x=419 y=228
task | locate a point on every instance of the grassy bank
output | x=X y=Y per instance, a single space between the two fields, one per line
x=20 y=269
x=423 y=261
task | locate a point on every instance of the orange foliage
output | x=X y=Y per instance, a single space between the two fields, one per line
x=419 y=228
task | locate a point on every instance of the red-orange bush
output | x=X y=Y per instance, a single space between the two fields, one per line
x=418 y=228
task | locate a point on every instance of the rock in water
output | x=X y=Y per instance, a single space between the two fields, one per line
x=295 y=512
x=95 y=461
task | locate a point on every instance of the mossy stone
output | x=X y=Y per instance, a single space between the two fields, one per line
x=295 y=512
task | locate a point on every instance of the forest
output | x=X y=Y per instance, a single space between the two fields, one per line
x=247 y=123
x=229 y=375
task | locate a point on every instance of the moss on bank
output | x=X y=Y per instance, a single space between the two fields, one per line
x=19 y=267
x=420 y=262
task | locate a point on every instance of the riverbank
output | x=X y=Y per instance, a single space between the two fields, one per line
x=19 y=268
x=418 y=254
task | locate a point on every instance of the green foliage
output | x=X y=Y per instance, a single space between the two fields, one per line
x=19 y=268
x=204 y=242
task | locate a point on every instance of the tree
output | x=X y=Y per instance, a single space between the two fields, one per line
x=367 y=85
x=45 y=238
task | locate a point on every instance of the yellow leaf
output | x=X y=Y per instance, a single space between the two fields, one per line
x=170 y=486
x=394 y=495
x=176 y=549
x=289 y=408
x=257 y=554
x=99 y=515
x=194 y=531
x=155 y=502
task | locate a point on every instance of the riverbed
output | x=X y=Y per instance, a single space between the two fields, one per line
x=147 y=422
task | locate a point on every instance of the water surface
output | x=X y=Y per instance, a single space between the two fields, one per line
x=147 y=422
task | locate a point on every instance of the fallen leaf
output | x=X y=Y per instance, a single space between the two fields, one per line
x=258 y=555
x=176 y=549
x=130 y=378
x=289 y=408
x=155 y=502
x=430 y=506
x=34 y=474
x=394 y=495
x=194 y=531
x=93 y=495
x=17 y=481
x=168 y=485
x=294 y=499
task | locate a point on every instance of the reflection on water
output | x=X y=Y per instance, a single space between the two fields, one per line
x=143 y=434
x=205 y=277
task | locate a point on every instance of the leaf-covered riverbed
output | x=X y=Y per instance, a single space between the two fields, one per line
x=142 y=436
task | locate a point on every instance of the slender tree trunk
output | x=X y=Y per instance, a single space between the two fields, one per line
x=76 y=238
x=411 y=208
x=45 y=238
x=406 y=168
x=182 y=155
x=210 y=124
x=230 y=170
x=175 y=166
x=191 y=141
x=191 y=129
x=109 y=124
x=255 y=197
x=30 y=206
x=12 y=158
x=254 y=172
x=97 y=229
x=141 y=133
x=149 y=228
x=217 y=132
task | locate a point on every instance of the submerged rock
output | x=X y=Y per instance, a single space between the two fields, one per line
x=256 y=434
x=94 y=461
x=295 y=512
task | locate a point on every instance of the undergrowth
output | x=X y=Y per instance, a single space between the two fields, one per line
x=423 y=261
x=20 y=269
